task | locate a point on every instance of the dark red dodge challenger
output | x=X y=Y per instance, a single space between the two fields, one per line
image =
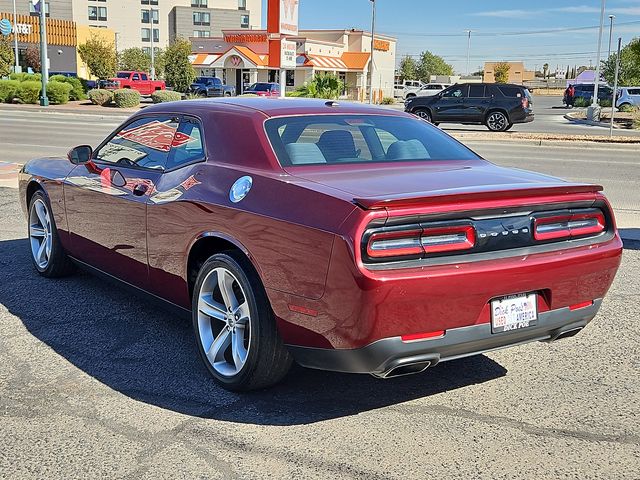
x=344 y=237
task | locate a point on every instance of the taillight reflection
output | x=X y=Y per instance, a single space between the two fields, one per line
x=420 y=241
x=568 y=226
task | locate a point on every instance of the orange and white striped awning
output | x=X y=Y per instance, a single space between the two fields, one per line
x=203 y=59
x=325 y=62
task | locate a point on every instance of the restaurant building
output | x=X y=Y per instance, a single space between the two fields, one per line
x=241 y=57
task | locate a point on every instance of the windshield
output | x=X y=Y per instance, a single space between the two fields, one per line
x=330 y=139
x=260 y=87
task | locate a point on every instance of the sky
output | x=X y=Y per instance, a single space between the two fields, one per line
x=497 y=27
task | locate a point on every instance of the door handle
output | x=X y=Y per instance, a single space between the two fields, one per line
x=140 y=189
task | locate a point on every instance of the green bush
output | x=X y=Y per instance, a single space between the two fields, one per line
x=58 y=92
x=636 y=117
x=18 y=76
x=126 y=97
x=388 y=101
x=605 y=102
x=32 y=77
x=77 y=90
x=161 y=96
x=8 y=90
x=100 y=96
x=29 y=91
x=581 y=102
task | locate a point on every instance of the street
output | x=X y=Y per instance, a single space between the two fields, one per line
x=97 y=382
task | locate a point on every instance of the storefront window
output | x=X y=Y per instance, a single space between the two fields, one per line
x=291 y=78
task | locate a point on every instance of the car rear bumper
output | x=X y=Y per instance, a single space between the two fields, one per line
x=393 y=356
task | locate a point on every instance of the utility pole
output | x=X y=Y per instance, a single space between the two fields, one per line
x=593 y=113
x=611 y=18
x=15 y=36
x=615 y=86
x=373 y=36
x=468 y=49
x=44 y=58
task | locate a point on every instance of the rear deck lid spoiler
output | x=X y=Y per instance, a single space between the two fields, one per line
x=463 y=195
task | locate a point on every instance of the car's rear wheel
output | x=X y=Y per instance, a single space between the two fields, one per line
x=625 y=106
x=47 y=253
x=227 y=94
x=424 y=114
x=235 y=328
x=497 y=122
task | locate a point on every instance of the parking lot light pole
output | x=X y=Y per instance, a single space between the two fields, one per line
x=593 y=112
x=15 y=36
x=44 y=60
x=615 y=86
x=468 y=49
x=611 y=18
x=373 y=36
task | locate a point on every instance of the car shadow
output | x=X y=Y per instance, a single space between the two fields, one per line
x=630 y=238
x=138 y=349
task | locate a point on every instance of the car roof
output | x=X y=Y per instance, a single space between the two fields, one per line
x=272 y=107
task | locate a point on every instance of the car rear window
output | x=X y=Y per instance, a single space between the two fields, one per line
x=333 y=139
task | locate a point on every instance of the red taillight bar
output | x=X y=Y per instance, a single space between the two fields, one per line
x=578 y=306
x=414 y=337
x=419 y=241
x=568 y=226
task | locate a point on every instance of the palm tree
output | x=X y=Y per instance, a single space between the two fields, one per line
x=323 y=85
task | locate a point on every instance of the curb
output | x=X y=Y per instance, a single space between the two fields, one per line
x=591 y=144
x=593 y=123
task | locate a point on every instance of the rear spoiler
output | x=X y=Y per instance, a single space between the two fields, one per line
x=463 y=195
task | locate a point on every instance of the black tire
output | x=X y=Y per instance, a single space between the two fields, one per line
x=58 y=264
x=227 y=94
x=424 y=114
x=268 y=361
x=508 y=127
x=497 y=121
x=624 y=105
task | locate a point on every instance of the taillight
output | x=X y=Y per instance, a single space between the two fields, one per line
x=525 y=102
x=419 y=241
x=568 y=225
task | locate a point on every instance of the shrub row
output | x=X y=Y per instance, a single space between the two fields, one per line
x=161 y=96
x=28 y=91
x=77 y=89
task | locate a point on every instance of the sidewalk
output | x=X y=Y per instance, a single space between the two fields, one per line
x=82 y=107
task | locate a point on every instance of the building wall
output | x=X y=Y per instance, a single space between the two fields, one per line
x=60 y=9
x=84 y=33
x=517 y=73
x=124 y=17
x=181 y=22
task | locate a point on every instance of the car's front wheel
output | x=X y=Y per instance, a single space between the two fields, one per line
x=235 y=328
x=47 y=253
x=498 y=122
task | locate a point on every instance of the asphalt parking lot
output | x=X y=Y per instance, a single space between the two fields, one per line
x=97 y=383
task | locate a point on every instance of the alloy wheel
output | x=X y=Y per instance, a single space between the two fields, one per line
x=497 y=121
x=424 y=114
x=40 y=234
x=224 y=322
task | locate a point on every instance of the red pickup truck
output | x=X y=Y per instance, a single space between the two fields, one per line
x=139 y=81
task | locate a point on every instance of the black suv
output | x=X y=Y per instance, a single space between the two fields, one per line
x=498 y=106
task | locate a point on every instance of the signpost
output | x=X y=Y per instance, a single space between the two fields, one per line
x=282 y=20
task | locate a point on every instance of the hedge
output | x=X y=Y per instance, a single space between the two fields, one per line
x=126 y=97
x=77 y=90
x=29 y=91
x=100 y=96
x=161 y=96
x=58 y=92
x=8 y=90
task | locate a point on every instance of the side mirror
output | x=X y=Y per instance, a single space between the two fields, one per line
x=80 y=155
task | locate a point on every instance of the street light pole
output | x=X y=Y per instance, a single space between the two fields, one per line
x=15 y=36
x=373 y=34
x=611 y=18
x=615 y=86
x=468 y=49
x=153 y=53
x=44 y=67
x=597 y=79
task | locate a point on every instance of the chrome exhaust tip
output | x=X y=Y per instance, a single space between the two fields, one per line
x=566 y=334
x=405 y=369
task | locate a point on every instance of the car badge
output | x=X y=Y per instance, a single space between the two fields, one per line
x=240 y=189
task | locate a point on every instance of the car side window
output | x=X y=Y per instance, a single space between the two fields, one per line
x=476 y=91
x=143 y=143
x=457 y=92
x=136 y=76
x=143 y=76
x=188 y=146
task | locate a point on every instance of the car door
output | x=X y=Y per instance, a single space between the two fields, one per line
x=476 y=103
x=450 y=105
x=106 y=199
x=145 y=84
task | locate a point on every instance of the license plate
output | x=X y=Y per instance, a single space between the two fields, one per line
x=514 y=312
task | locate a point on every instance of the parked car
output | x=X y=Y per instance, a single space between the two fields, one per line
x=139 y=81
x=498 y=106
x=211 y=87
x=586 y=90
x=628 y=96
x=431 y=89
x=407 y=89
x=264 y=89
x=347 y=237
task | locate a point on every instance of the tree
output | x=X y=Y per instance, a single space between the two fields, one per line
x=159 y=62
x=501 y=72
x=629 y=65
x=134 y=59
x=178 y=71
x=323 y=85
x=32 y=58
x=431 y=64
x=99 y=56
x=6 y=56
x=408 y=68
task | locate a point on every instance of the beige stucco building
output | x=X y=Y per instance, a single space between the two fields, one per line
x=517 y=72
x=242 y=57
